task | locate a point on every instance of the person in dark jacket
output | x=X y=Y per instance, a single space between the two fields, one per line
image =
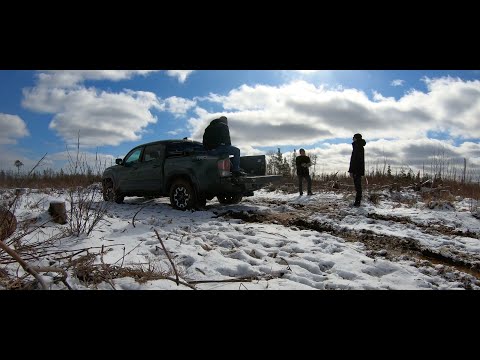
x=357 y=166
x=216 y=140
x=303 y=163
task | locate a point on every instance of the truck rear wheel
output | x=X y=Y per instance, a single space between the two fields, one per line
x=229 y=199
x=182 y=196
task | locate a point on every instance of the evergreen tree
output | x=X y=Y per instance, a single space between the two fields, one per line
x=313 y=160
x=278 y=162
x=18 y=164
x=270 y=162
x=285 y=168
x=293 y=163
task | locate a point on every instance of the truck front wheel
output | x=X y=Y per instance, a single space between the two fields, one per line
x=109 y=193
x=182 y=196
x=229 y=199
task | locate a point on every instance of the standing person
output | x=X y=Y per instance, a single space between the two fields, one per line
x=357 y=166
x=303 y=163
x=216 y=140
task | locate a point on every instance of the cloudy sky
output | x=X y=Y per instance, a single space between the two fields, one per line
x=409 y=118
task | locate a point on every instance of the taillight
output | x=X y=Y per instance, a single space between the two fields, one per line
x=224 y=167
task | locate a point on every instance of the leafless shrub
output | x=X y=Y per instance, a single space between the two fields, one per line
x=86 y=211
x=374 y=198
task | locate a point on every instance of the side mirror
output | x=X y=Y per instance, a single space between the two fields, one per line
x=119 y=161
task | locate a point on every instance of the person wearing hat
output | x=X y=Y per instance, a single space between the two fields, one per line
x=357 y=166
x=216 y=140
x=303 y=163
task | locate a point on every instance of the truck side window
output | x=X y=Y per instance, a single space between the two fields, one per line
x=182 y=148
x=133 y=157
x=174 y=149
x=153 y=152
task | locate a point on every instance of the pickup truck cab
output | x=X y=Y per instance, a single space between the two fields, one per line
x=184 y=171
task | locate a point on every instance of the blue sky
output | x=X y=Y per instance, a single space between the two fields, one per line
x=407 y=117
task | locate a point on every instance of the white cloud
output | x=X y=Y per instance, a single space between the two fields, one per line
x=308 y=72
x=12 y=127
x=175 y=132
x=178 y=106
x=181 y=75
x=397 y=82
x=297 y=114
x=302 y=113
x=69 y=78
x=102 y=118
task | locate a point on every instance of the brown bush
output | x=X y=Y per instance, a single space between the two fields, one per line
x=8 y=224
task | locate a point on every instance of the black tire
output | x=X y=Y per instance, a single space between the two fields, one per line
x=182 y=195
x=229 y=199
x=109 y=193
x=201 y=201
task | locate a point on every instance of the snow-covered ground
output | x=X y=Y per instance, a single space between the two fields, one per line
x=273 y=241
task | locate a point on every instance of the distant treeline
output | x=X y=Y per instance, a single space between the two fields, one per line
x=439 y=167
x=47 y=178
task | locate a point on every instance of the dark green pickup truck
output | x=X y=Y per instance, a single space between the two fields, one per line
x=184 y=171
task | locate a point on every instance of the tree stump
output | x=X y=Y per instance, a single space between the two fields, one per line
x=8 y=224
x=58 y=212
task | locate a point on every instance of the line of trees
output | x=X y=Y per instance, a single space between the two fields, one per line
x=278 y=164
x=439 y=168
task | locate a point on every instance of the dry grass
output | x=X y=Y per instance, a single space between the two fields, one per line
x=91 y=274
x=342 y=183
x=55 y=181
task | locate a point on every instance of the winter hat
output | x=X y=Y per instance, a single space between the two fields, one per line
x=357 y=136
x=223 y=119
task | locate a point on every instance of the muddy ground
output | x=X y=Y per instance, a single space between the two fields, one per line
x=451 y=264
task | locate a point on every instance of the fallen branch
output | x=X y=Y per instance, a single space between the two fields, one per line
x=123 y=257
x=55 y=269
x=288 y=265
x=168 y=255
x=244 y=279
x=23 y=264
x=241 y=284
x=78 y=251
x=181 y=282
x=266 y=232
x=144 y=206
